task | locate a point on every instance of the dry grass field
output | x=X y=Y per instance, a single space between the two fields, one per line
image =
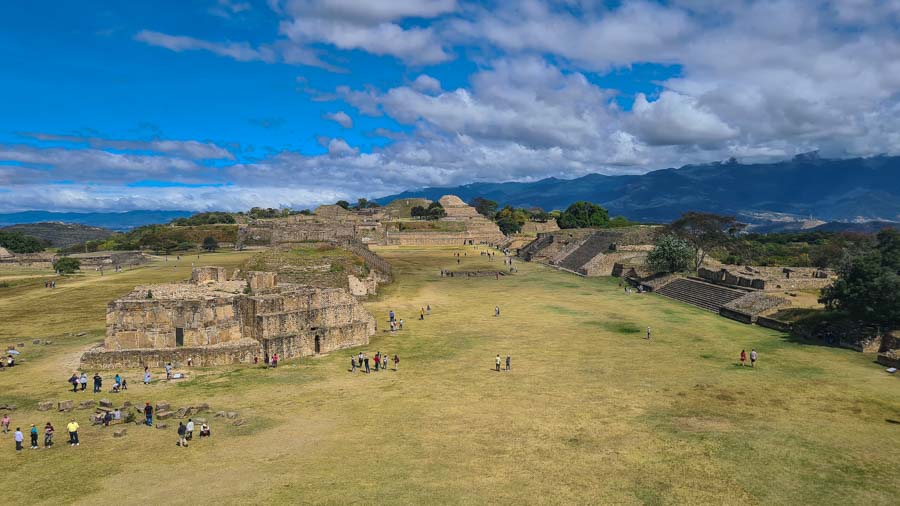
x=591 y=412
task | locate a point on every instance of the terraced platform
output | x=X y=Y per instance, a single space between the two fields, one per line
x=700 y=294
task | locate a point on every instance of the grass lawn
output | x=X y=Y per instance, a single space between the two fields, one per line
x=591 y=412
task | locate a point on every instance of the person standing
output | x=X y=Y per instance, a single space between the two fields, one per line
x=5 y=423
x=148 y=414
x=352 y=364
x=377 y=360
x=74 y=381
x=48 y=435
x=19 y=437
x=72 y=427
x=34 y=433
x=83 y=381
x=98 y=381
x=497 y=362
x=146 y=375
x=169 y=370
x=396 y=362
x=275 y=360
x=496 y=310
x=190 y=362
x=743 y=357
x=648 y=333
x=182 y=430
x=366 y=358
x=391 y=315
x=507 y=362
x=189 y=429
x=753 y=357
x=401 y=323
x=428 y=310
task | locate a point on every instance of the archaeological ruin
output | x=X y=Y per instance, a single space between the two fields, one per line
x=215 y=320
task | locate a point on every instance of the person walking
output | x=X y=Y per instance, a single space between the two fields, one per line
x=396 y=363
x=352 y=364
x=83 y=381
x=366 y=358
x=72 y=427
x=18 y=437
x=428 y=310
x=753 y=357
x=169 y=370
x=34 y=435
x=5 y=423
x=507 y=362
x=401 y=323
x=189 y=428
x=146 y=375
x=497 y=362
x=743 y=357
x=48 y=435
x=648 y=333
x=98 y=382
x=377 y=360
x=148 y=414
x=74 y=381
x=496 y=310
x=182 y=430
x=391 y=315
x=274 y=360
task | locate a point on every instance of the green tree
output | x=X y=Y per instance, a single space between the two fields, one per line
x=418 y=212
x=66 y=265
x=18 y=242
x=510 y=220
x=210 y=243
x=485 y=207
x=342 y=203
x=435 y=211
x=705 y=232
x=583 y=214
x=868 y=284
x=670 y=254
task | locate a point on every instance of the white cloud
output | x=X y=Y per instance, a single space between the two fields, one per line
x=340 y=118
x=677 y=119
x=339 y=147
x=240 y=51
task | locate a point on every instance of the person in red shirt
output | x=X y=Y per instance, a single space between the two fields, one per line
x=743 y=357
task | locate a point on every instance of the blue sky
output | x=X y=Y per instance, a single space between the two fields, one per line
x=228 y=104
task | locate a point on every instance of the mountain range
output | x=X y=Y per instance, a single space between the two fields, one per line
x=113 y=221
x=806 y=188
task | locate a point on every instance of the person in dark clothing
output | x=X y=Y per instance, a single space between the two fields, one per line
x=48 y=435
x=74 y=381
x=98 y=382
x=366 y=359
x=148 y=413
x=182 y=430
x=508 y=359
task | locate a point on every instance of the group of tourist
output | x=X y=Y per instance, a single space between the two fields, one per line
x=381 y=362
x=498 y=361
x=79 y=383
x=186 y=432
x=49 y=284
x=754 y=356
x=19 y=438
x=10 y=361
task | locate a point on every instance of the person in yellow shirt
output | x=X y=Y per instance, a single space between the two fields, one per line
x=73 y=432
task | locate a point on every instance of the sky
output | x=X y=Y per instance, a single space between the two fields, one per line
x=229 y=104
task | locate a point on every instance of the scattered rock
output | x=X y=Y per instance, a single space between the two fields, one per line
x=21 y=345
x=220 y=414
x=126 y=404
x=161 y=426
x=48 y=342
x=105 y=403
x=36 y=341
x=45 y=406
x=239 y=422
x=86 y=405
x=163 y=406
x=231 y=415
x=11 y=407
x=182 y=412
x=65 y=405
x=164 y=415
x=202 y=408
x=81 y=334
x=120 y=432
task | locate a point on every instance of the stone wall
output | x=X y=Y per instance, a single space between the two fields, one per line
x=208 y=274
x=604 y=264
x=241 y=351
x=110 y=258
x=152 y=323
x=768 y=278
x=772 y=323
x=262 y=282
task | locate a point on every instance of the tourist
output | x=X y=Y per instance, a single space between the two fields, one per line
x=204 y=430
x=146 y=375
x=124 y=384
x=497 y=362
x=422 y=313
x=74 y=381
x=148 y=414
x=428 y=309
x=182 y=430
x=48 y=435
x=72 y=427
x=352 y=363
x=274 y=360
x=359 y=360
x=377 y=360
x=98 y=381
x=497 y=311
x=34 y=433
x=117 y=415
x=401 y=323
x=117 y=383
x=5 y=423
x=83 y=381
x=169 y=370
x=396 y=362
x=753 y=357
x=743 y=357
x=10 y=361
x=189 y=429
x=190 y=362
x=391 y=315
x=18 y=438
x=508 y=359
x=366 y=358
x=648 y=333
x=107 y=417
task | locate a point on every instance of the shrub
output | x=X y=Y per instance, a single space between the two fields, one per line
x=583 y=214
x=66 y=265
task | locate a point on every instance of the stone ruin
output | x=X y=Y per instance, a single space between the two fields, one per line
x=380 y=226
x=592 y=252
x=217 y=321
x=769 y=278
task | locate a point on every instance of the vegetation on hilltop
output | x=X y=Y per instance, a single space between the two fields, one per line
x=162 y=239
x=800 y=249
x=211 y=218
x=60 y=235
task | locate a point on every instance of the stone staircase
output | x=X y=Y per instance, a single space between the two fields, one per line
x=596 y=243
x=700 y=294
x=536 y=246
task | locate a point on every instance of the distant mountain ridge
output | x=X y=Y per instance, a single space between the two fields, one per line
x=114 y=221
x=61 y=235
x=804 y=188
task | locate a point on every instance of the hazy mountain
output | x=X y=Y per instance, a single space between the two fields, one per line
x=114 y=221
x=804 y=188
x=61 y=234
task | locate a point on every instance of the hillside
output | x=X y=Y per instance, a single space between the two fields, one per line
x=804 y=188
x=61 y=235
x=114 y=221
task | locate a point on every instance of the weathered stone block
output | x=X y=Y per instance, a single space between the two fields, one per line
x=231 y=415
x=161 y=425
x=164 y=415
x=45 y=406
x=120 y=432
x=239 y=422
x=66 y=405
x=106 y=403
x=162 y=406
x=87 y=404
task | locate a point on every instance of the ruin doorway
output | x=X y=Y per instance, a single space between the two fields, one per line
x=318 y=345
x=179 y=336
